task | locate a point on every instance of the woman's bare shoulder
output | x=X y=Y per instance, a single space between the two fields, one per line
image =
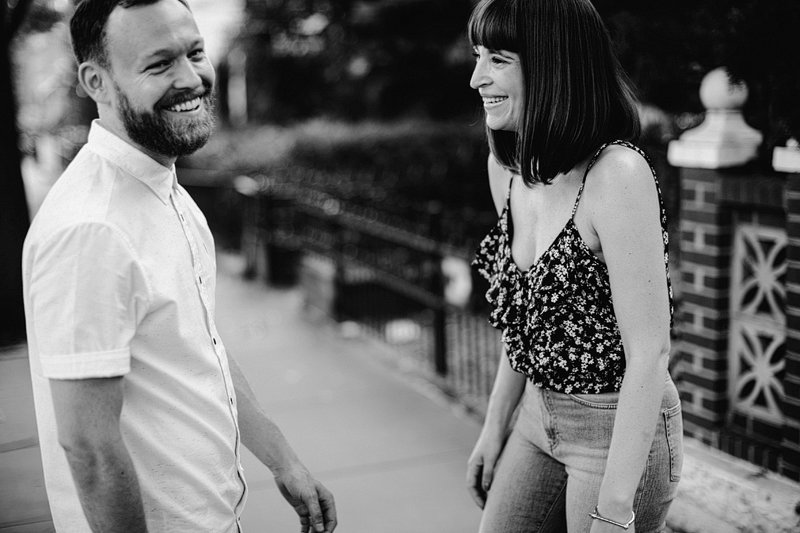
x=620 y=176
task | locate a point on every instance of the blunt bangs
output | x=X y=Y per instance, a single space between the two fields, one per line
x=577 y=97
x=493 y=25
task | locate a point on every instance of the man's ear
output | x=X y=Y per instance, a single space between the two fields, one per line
x=95 y=81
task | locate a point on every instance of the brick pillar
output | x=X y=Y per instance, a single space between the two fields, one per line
x=723 y=140
x=703 y=313
x=790 y=457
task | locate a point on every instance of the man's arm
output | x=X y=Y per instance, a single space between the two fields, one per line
x=310 y=499
x=87 y=416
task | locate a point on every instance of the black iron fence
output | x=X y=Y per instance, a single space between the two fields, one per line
x=381 y=265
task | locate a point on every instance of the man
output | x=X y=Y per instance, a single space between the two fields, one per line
x=140 y=410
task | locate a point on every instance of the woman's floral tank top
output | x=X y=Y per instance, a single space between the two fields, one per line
x=557 y=318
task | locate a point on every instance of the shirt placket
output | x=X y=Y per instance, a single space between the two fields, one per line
x=201 y=281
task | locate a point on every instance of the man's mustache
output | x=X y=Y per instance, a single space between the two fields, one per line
x=184 y=96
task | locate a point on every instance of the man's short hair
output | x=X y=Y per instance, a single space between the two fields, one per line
x=88 y=27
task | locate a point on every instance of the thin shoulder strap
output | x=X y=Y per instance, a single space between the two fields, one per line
x=664 y=223
x=508 y=192
x=592 y=161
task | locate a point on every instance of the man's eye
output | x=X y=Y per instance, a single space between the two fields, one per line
x=159 y=65
x=197 y=54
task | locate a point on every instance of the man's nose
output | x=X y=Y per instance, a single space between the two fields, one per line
x=190 y=74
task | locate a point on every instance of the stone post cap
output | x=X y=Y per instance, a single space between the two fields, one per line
x=723 y=139
x=787 y=158
x=719 y=92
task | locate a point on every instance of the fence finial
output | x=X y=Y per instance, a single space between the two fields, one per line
x=723 y=139
x=787 y=158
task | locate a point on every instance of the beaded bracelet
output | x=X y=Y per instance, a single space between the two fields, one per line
x=597 y=516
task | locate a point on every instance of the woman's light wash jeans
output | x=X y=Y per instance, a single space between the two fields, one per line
x=548 y=476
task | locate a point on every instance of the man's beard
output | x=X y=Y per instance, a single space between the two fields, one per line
x=156 y=132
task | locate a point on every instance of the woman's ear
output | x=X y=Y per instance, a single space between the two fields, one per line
x=94 y=80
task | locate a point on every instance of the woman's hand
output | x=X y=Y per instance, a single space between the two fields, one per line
x=482 y=463
x=506 y=393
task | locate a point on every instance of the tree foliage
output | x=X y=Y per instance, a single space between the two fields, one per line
x=667 y=48
x=356 y=59
x=13 y=206
x=16 y=18
x=387 y=58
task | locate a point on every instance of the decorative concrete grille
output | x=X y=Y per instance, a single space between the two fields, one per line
x=758 y=322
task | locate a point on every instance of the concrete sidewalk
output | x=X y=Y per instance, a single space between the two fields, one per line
x=393 y=455
x=23 y=502
x=391 y=449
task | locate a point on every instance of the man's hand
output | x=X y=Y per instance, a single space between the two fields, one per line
x=312 y=502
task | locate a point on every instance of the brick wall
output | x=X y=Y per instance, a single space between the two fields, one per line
x=713 y=202
x=790 y=459
x=703 y=316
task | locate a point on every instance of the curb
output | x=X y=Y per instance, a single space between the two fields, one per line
x=719 y=493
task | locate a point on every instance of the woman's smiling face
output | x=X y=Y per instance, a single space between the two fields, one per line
x=498 y=79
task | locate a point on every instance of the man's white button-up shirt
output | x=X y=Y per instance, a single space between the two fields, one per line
x=119 y=278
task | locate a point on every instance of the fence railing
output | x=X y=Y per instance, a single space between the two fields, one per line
x=382 y=270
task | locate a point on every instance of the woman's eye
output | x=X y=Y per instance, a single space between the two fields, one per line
x=498 y=60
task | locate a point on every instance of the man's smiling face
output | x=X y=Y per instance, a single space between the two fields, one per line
x=163 y=81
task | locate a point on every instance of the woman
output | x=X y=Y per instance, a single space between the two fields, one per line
x=579 y=285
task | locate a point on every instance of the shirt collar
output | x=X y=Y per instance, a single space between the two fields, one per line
x=144 y=168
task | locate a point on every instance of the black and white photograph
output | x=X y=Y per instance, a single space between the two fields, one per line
x=399 y=266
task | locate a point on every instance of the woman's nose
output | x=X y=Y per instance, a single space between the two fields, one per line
x=479 y=77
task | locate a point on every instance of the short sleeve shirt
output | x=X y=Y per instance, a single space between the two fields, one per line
x=119 y=277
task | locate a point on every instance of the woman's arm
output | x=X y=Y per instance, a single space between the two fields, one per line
x=506 y=392
x=625 y=213
x=508 y=384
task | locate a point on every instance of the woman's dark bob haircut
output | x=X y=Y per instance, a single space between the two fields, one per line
x=576 y=95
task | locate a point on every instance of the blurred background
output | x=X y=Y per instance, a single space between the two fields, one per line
x=349 y=163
